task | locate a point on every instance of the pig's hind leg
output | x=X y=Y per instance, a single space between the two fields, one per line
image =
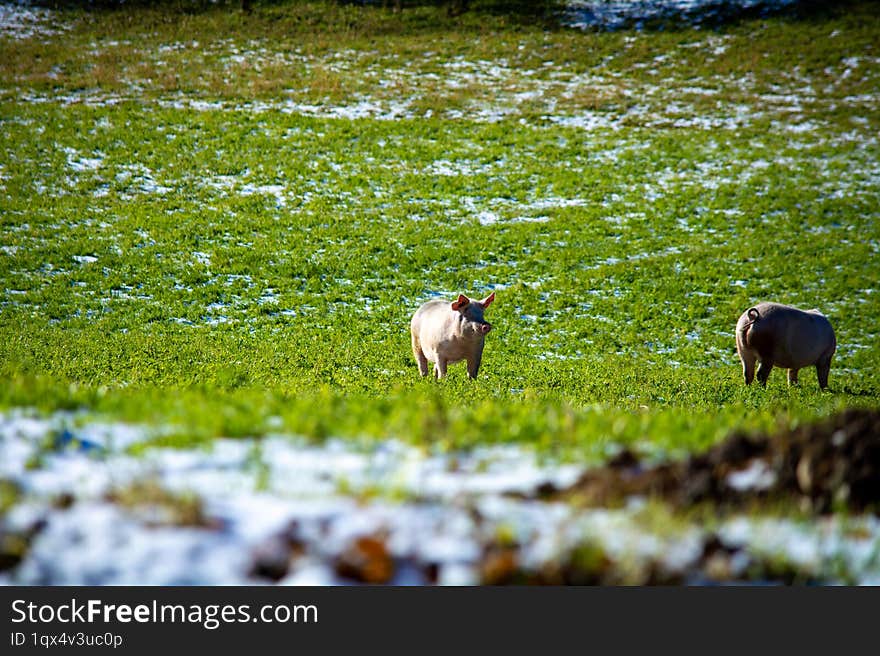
x=748 y=362
x=420 y=356
x=823 y=367
x=792 y=376
x=764 y=371
x=440 y=367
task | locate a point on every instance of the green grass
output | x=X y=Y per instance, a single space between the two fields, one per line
x=150 y=273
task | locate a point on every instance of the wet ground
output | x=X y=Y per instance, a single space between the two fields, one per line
x=78 y=507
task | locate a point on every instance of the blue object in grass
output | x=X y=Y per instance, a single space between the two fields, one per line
x=69 y=440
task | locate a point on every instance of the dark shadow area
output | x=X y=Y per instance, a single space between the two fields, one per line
x=546 y=12
x=611 y=15
x=172 y=6
x=657 y=15
x=587 y=15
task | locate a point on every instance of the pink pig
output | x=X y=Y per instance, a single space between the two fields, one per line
x=444 y=332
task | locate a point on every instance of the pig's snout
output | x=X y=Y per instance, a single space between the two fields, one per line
x=485 y=327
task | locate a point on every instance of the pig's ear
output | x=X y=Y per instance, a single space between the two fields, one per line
x=461 y=302
x=486 y=302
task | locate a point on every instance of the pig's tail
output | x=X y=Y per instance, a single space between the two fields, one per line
x=754 y=315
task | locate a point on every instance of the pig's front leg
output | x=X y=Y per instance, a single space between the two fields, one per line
x=440 y=367
x=473 y=364
x=792 y=376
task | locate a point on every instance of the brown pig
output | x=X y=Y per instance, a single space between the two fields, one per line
x=444 y=332
x=784 y=336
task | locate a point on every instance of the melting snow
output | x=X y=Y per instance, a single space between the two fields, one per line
x=253 y=489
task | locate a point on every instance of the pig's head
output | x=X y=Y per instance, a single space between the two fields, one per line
x=470 y=314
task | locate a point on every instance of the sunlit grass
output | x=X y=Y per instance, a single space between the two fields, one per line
x=224 y=268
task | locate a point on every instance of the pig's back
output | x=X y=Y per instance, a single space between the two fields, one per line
x=799 y=338
x=429 y=313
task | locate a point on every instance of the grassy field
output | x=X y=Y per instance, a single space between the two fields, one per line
x=222 y=223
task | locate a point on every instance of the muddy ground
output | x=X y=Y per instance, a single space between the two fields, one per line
x=833 y=464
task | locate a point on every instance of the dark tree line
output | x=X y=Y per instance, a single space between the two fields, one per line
x=646 y=14
x=453 y=7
